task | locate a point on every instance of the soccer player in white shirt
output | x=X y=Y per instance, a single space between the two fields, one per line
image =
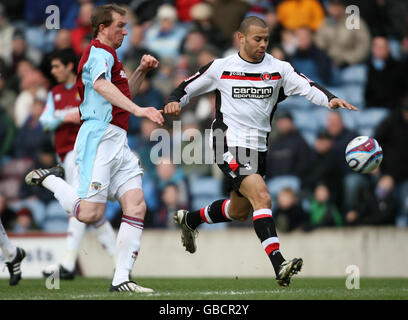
x=248 y=85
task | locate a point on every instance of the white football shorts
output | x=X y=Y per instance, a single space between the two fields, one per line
x=116 y=168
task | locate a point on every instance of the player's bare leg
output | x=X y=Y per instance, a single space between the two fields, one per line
x=253 y=187
x=129 y=240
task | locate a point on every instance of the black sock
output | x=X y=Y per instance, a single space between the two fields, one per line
x=265 y=230
x=214 y=213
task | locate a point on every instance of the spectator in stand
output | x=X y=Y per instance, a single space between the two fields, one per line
x=289 y=214
x=163 y=79
x=7 y=96
x=201 y=15
x=325 y=168
x=146 y=11
x=24 y=221
x=227 y=16
x=83 y=27
x=353 y=182
x=386 y=82
x=47 y=213
x=164 y=37
x=391 y=135
x=21 y=50
x=323 y=210
x=310 y=59
x=7 y=132
x=170 y=203
x=169 y=173
x=30 y=137
x=275 y=28
x=6 y=36
x=344 y=46
x=288 y=153
x=7 y=215
x=184 y=9
x=278 y=53
x=293 y=14
x=376 y=207
x=33 y=86
x=194 y=43
x=136 y=47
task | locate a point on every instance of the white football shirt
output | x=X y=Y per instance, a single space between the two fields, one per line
x=247 y=94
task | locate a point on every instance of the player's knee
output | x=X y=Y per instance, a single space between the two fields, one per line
x=90 y=216
x=263 y=199
x=137 y=210
x=240 y=215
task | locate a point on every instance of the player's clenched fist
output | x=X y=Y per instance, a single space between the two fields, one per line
x=153 y=114
x=172 y=108
x=148 y=63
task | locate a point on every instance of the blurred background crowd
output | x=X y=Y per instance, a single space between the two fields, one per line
x=309 y=180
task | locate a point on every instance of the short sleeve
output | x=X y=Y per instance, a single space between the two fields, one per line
x=99 y=62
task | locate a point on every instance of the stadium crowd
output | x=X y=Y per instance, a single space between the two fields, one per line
x=307 y=175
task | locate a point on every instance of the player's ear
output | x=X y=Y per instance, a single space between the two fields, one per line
x=240 y=36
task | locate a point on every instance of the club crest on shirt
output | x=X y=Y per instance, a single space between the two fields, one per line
x=123 y=74
x=96 y=186
x=57 y=97
x=266 y=76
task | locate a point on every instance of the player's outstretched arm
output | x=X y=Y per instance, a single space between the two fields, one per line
x=147 y=63
x=111 y=93
x=336 y=103
x=172 y=108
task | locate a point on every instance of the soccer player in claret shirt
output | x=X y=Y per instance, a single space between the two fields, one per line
x=106 y=167
x=248 y=85
x=61 y=115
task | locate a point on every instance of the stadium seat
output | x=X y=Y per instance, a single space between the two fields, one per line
x=368 y=119
x=355 y=95
x=275 y=185
x=304 y=120
x=355 y=74
x=294 y=103
x=204 y=190
x=349 y=117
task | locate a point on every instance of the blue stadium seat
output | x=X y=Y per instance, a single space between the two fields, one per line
x=204 y=190
x=304 y=120
x=355 y=95
x=355 y=74
x=275 y=185
x=294 y=103
x=369 y=118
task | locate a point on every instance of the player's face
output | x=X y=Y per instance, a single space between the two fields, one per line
x=254 y=43
x=117 y=30
x=60 y=71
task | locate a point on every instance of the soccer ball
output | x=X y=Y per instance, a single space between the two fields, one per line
x=363 y=154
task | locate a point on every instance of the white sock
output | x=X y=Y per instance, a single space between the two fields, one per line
x=128 y=246
x=63 y=192
x=6 y=246
x=106 y=237
x=76 y=230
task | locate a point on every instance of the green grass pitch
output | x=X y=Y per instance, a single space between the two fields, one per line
x=211 y=289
